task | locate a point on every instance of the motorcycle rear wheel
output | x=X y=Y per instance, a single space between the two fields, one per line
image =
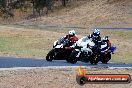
x=105 y=59
x=94 y=59
x=72 y=59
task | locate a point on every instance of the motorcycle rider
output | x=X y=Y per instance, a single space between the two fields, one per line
x=72 y=38
x=106 y=41
x=95 y=37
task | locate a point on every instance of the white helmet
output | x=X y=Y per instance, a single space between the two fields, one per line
x=72 y=32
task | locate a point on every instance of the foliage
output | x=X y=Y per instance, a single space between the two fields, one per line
x=8 y=6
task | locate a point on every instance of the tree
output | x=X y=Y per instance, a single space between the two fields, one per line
x=39 y=5
x=5 y=10
x=64 y=2
x=7 y=7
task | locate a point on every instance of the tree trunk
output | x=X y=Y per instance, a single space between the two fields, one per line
x=64 y=3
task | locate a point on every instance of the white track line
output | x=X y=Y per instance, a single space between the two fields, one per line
x=59 y=67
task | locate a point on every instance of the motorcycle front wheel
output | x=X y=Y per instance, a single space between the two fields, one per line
x=51 y=55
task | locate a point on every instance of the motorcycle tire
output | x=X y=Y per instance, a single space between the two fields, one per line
x=85 y=60
x=72 y=59
x=94 y=59
x=105 y=59
x=68 y=60
x=51 y=55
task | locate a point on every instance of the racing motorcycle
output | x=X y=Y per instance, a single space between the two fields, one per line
x=59 y=51
x=102 y=54
x=105 y=54
x=83 y=51
x=86 y=51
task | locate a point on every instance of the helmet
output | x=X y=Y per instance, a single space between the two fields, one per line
x=105 y=38
x=96 y=33
x=72 y=32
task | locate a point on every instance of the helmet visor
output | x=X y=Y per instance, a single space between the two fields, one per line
x=95 y=35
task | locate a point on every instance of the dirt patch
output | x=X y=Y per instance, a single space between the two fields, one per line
x=90 y=13
x=55 y=78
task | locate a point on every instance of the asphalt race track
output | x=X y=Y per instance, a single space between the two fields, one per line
x=25 y=63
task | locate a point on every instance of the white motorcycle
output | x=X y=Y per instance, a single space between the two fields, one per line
x=83 y=50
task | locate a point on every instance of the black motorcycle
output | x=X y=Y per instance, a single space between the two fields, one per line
x=59 y=51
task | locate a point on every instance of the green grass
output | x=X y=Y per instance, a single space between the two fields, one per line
x=25 y=44
x=23 y=47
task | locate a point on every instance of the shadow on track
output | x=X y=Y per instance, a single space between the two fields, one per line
x=9 y=62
